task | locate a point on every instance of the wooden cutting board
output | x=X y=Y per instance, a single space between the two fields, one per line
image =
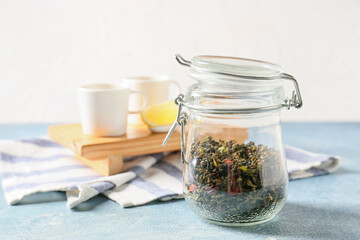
x=105 y=154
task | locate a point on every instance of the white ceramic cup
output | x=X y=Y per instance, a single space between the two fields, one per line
x=156 y=89
x=104 y=108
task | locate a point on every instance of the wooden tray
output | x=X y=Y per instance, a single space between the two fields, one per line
x=105 y=154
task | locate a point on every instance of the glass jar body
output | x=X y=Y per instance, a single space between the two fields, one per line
x=235 y=170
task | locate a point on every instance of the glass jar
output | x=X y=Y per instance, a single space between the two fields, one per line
x=234 y=163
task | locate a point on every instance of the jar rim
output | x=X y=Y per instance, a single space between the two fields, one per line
x=232 y=102
x=208 y=110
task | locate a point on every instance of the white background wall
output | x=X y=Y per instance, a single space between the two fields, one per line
x=50 y=47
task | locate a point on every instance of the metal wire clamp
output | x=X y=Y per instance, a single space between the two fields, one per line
x=181 y=121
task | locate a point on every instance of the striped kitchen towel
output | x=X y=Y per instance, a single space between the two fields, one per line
x=41 y=165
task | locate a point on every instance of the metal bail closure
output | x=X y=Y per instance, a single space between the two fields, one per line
x=182 y=61
x=295 y=100
x=181 y=121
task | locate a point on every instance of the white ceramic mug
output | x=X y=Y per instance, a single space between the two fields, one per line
x=104 y=108
x=156 y=89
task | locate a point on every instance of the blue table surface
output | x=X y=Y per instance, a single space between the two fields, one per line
x=325 y=207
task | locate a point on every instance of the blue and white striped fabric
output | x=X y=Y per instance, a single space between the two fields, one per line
x=41 y=165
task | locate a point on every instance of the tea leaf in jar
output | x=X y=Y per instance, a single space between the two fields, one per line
x=215 y=164
x=231 y=180
x=249 y=183
x=243 y=168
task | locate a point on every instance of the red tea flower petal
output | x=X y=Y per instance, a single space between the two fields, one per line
x=234 y=191
x=228 y=160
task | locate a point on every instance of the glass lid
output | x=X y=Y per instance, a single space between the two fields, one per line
x=231 y=84
x=240 y=67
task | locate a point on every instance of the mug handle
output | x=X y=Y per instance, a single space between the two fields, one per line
x=144 y=104
x=177 y=84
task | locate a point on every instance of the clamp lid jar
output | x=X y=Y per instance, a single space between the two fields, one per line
x=234 y=162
